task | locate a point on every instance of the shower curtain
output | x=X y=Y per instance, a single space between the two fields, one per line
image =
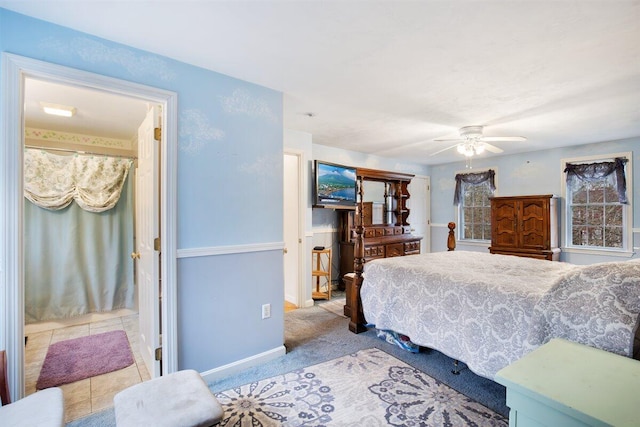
x=78 y=235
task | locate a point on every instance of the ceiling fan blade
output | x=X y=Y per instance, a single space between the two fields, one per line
x=492 y=148
x=444 y=149
x=503 y=138
x=448 y=140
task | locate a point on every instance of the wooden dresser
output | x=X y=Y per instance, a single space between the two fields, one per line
x=381 y=241
x=525 y=226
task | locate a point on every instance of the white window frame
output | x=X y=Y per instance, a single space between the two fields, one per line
x=627 y=211
x=460 y=225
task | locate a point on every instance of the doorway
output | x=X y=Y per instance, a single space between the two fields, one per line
x=420 y=215
x=15 y=70
x=293 y=231
x=79 y=275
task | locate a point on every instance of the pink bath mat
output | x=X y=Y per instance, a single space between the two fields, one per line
x=79 y=358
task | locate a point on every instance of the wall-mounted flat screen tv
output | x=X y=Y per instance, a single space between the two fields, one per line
x=335 y=186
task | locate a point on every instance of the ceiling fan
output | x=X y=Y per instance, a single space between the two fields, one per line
x=473 y=142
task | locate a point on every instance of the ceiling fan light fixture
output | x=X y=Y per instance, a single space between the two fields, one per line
x=471 y=133
x=467 y=149
x=472 y=142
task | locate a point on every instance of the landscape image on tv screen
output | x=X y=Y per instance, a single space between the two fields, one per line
x=336 y=184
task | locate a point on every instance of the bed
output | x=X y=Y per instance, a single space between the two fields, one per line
x=488 y=310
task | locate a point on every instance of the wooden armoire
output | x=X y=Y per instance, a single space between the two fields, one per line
x=525 y=226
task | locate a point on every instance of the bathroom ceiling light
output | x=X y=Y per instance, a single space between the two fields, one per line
x=58 y=110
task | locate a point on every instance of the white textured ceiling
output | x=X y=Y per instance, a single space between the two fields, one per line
x=387 y=77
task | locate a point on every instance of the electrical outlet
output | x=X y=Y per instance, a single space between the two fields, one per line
x=266 y=311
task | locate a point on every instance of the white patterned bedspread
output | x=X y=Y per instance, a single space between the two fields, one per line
x=489 y=310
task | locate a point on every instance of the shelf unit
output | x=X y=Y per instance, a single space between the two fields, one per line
x=321 y=272
x=400 y=196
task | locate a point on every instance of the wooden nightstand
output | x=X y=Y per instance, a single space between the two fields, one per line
x=564 y=384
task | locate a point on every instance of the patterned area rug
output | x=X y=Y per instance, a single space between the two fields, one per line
x=367 y=388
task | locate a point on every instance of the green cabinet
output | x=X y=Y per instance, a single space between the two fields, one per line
x=564 y=384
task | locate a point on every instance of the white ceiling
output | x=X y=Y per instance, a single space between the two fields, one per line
x=387 y=77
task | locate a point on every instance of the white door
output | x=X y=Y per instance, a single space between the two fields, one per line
x=147 y=229
x=291 y=228
x=420 y=214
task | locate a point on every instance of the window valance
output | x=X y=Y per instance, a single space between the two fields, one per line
x=53 y=181
x=597 y=171
x=473 y=179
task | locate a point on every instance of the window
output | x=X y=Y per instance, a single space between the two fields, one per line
x=475 y=212
x=473 y=192
x=598 y=211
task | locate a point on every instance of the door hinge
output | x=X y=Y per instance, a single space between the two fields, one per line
x=159 y=353
x=157 y=134
x=156 y=244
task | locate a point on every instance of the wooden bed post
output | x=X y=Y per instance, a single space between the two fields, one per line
x=356 y=325
x=451 y=240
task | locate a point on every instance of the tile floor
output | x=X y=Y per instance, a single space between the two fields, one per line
x=92 y=394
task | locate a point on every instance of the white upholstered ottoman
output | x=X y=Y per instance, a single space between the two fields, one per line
x=44 y=408
x=181 y=399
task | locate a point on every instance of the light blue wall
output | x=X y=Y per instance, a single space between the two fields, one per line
x=229 y=186
x=220 y=307
x=531 y=173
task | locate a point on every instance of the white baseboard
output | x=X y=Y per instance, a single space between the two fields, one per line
x=244 y=364
x=309 y=303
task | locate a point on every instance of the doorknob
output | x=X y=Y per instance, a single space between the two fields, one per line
x=285 y=250
x=135 y=255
